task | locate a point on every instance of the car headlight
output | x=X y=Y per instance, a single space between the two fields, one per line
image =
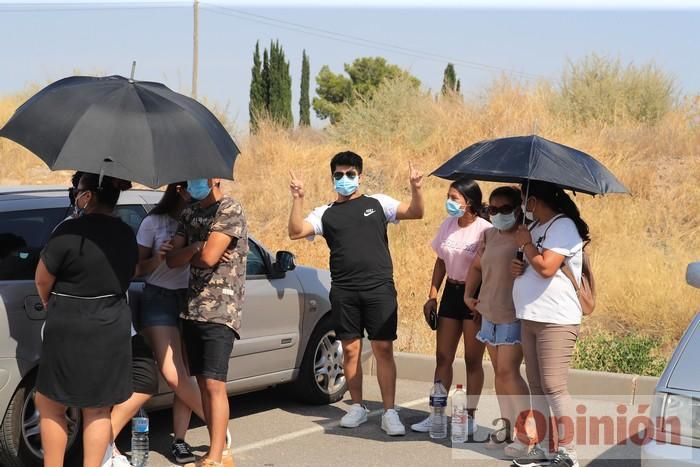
x=680 y=417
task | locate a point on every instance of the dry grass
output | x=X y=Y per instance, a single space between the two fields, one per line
x=641 y=244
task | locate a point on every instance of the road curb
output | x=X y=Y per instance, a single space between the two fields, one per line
x=639 y=389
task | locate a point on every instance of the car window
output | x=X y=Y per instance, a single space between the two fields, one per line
x=22 y=236
x=131 y=214
x=255 y=264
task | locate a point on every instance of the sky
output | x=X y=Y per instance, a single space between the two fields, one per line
x=45 y=41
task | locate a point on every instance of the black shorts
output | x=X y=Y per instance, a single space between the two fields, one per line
x=208 y=347
x=374 y=310
x=452 y=303
x=144 y=368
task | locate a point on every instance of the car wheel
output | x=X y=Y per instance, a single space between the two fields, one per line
x=321 y=377
x=20 y=438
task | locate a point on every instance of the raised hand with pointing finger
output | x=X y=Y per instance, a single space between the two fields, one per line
x=296 y=186
x=415 y=176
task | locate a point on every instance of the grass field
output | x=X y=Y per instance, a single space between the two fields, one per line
x=641 y=243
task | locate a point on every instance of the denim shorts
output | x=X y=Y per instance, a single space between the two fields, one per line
x=161 y=307
x=499 y=334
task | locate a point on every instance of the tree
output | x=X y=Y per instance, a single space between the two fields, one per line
x=450 y=83
x=280 y=87
x=304 y=103
x=335 y=91
x=601 y=89
x=270 y=87
x=257 y=104
x=265 y=75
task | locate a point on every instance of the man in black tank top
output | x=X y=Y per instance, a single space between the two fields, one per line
x=362 y=294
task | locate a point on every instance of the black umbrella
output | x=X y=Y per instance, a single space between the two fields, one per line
x=134 y=130
x=521 y=158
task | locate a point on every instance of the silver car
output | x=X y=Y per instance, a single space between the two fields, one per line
x=286 y=329
x=675 y=441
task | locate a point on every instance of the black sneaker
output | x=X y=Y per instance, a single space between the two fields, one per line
x=564 y=458
x=182 y=452
x=535 y=458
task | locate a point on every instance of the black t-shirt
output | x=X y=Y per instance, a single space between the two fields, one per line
x=356 y=233
x=91 y=256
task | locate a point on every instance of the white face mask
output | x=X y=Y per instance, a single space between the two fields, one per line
x=504 y=221
x=528 y=214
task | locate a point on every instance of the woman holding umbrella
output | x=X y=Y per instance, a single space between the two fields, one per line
x=82 y=279
x=548 y=306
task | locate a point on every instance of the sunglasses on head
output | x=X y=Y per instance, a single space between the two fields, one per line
x=505 y=209
x=351 y=174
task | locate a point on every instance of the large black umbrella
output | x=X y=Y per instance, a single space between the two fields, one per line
x=521 y=158
x=134 y=130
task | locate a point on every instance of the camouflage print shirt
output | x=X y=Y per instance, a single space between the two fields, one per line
x=216 y=294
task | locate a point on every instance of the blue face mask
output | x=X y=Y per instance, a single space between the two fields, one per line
x=503 y=221
x=346 y=186
x=453 y=208
x=198 y=188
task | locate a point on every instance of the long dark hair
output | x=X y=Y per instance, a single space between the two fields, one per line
x=471 y=192
x=169 y=202
x=559 y=202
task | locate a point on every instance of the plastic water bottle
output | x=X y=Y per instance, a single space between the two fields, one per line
x=438 y=418
x=459 y=415
x=139 y=439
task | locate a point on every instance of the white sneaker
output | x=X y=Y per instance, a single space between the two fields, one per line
x=423 y=426
x=471 y=426
x=120 y=461
x=391 y=423
x=356 y=416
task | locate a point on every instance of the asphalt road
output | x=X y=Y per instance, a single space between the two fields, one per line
x=271 y=429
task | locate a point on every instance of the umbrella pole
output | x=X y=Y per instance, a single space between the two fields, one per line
x=133 y=71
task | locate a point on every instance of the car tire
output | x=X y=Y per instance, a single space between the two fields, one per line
x=321 y=378
x=19 y=441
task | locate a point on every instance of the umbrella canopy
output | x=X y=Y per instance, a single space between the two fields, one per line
x=521 y=158
x=134 y=130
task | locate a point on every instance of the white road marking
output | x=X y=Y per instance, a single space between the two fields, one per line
x=316 y=429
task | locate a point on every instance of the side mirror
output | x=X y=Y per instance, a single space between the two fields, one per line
x=285 y=261
x=692 y=275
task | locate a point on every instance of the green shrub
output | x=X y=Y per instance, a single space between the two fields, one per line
x=602 y=90
x=632 y=354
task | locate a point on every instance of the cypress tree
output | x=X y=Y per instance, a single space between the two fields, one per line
x=265 y=77
x=304 y=102
x=256 y=106
x=280 y=87
x=449 y=80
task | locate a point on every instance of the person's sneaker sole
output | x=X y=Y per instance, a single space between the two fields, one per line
x=353 y=425
x=532 y=464
x=182 y=460
x=419 y=429
x=394 y=433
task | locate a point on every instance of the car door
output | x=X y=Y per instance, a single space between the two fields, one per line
x=23 y=234
x=271 y=320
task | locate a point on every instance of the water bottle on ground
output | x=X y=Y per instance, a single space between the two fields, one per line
x=459 y=415
x=438 y=403
x=139 y=439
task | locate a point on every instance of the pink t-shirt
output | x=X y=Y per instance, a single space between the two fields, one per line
x=458 y=246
